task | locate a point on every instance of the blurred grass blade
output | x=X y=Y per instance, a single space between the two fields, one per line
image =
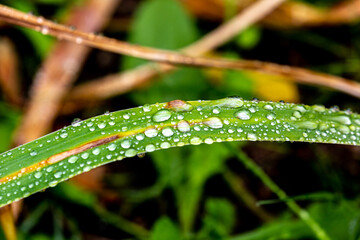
x=319 y=196
x=113 y=136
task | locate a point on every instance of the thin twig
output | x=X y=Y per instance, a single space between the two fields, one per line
x=59 y=71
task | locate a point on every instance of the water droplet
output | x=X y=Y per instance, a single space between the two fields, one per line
x=299 y=108
x=183 y=126
x=162 y=115
x=167 y=132
x=214 y=122
x=78 y=40
x=96 y=151
x=38 y=174
x=53 y=183
x=268 y=107
x=140 y=136
x=297 y=114
x=318 y=108
x=179 y=106
x=230 y=102
x=216 y=110
x=195 y=141
x=307 y=124
x=150 y=148
x=72 y=159
x=125 y=144
x=130 y=153
x=165 y=145
x=126 y=116
x=33 y=153
x=58 y=174
x=344 y=129
x=243 y=115
x=76 y=122
x=342 y=119
x=270 y=116
x=85 y=155
x=101 y=125
x=146 y=108
x=63 y=135
x=151 y=132
x=112 y=147
x=208 y=141
x=251 y=137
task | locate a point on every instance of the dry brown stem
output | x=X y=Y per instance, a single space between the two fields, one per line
x=288 y=15
x=9 y=77
x=60 y=69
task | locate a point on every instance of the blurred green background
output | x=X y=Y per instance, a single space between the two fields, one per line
x=201 y=192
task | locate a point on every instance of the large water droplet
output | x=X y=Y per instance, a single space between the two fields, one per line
x=179 y=106
x=214 y=122
x=38 y=174
x=146 y=108
x=167 y=132
x=243 y=115
x=161 y=116
x=230 y=102
x=57 y=174
x=130 y=153
x=151 y=132
x=342 y=119
x=63 y=135
x=268 y=107
x=344 y=129
x=251 y=137
x=112 y=146
x=165 y=145
x=183 y=126
x=307 y=124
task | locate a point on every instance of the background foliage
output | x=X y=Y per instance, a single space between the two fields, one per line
x=198 y=192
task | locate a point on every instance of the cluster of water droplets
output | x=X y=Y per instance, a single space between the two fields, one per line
x=161 y=126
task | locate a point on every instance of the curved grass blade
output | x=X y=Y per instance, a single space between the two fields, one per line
x=113 y=136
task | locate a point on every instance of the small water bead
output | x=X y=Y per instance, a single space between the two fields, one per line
x=195 y=141
x=130 y=153
x=165 y=145
x=76 y=122
x=243 y=115
x=297 y=114
x=161 y=116
x=85 y=155
x=101 y=125
x=72 y=159
x=357 y=121
x=146 y=108
x=33 y=153
x=38 y=174
x=126 y=116
x=270 y=116
x=183 y=126
x=342 y=119
x=150 y=148
x=63 y=135
x=96 y=151
x=251 y=137
x=151 y=132
x=58 y=174
x=179 y=106
x=216 y=110
x=213 y=122
x=124 y=144
x=268 y=107
x=208 y=141
x=140 y=136
x=167 y=132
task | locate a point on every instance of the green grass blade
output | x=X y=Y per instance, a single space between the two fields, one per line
x=113 y=136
